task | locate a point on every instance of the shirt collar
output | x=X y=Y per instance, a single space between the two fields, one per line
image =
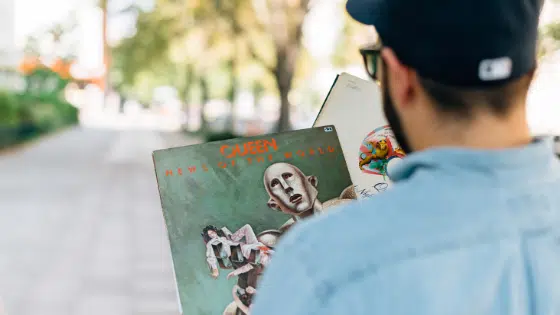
x=539 y=153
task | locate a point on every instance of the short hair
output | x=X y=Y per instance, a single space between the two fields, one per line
x=461 y=101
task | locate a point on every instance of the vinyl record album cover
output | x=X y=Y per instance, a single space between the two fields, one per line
x=227 y=203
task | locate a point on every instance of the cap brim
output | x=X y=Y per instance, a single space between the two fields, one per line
x=363 y=11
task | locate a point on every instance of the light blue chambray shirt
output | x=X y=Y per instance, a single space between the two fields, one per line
x=462 y=232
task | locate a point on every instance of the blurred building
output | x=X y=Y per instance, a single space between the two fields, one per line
x=9 y=55
x=543 y=112
x=89 y=63
x=542 y=105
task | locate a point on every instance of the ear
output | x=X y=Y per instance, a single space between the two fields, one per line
x=273 y=205
x=313 y=180
x=402 y=79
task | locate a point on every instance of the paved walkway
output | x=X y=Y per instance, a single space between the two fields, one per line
x=81 y=230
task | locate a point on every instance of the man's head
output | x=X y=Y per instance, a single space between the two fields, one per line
x=289 y=189
x=209 y=232
x=448 y=63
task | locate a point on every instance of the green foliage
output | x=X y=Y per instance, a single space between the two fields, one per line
x=347 y=47
x=45 y=81
x=549 y=39
x=232 y=44
x=553 y=31
x=9 y=109
x=168 y=39
x=47 y=111
x=146 y=50
x=40 y=109
x=210 y=137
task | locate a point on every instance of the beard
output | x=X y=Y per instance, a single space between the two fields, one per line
x=391 y=114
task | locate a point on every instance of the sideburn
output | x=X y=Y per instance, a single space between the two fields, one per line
x=391 y=114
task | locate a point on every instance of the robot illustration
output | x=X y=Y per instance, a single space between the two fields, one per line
x=296 y=194
x=246 y=254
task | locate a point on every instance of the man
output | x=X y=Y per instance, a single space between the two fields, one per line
x=294 y=193
x=256 y=256
x=472 y=225
x=251 y=243
x=263 y=259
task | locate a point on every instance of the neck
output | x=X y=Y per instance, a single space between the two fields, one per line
x=483 y=131
x=316 y=209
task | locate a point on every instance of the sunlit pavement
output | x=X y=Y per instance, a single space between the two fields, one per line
x=81 y=230
x=133 y=119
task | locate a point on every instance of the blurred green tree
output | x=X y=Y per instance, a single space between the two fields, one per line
x=202 y=36
x=549 y=39
x=177 y=42
x=282 y=21
x=353 y=36
x=553 y=30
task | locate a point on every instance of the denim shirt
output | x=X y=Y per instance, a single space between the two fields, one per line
x=462 y=232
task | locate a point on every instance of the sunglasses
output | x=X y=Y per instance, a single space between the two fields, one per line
x=371 y=55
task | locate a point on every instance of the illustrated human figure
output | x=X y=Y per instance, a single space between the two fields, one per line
x=255 y=257
x=245 y=238
x=262 y=260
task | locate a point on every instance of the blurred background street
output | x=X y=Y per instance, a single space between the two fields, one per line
x=89 y=88
x=81 y=231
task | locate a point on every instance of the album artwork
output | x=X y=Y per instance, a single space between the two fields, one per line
x=354 y=106
x=227 y=203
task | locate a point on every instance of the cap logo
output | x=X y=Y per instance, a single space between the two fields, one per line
x=495 y=69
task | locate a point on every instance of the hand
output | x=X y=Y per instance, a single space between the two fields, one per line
x=231 y=274
x=215 y=273
x=251 y=290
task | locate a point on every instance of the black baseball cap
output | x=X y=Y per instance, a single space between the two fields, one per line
x=463 y=43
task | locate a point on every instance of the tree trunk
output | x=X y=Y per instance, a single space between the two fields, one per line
x=205 y=98
x=106 y=50
x=185 y=91
x=258 y=91
x=284 y=73
x=232 y=93
x=287 y=30
x=237 y=31
x=284 y=122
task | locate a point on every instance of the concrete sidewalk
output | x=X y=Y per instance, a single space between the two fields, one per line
x=81 y=229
